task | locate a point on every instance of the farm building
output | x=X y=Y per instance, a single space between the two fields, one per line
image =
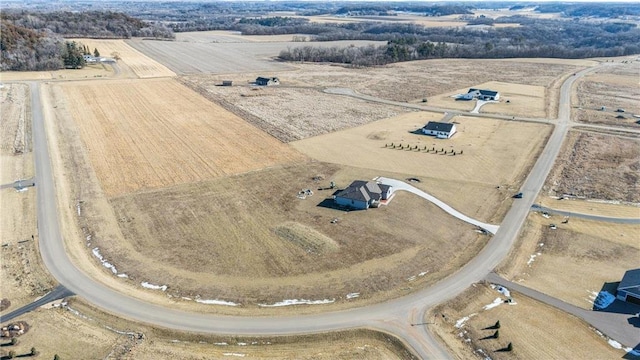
x=480 y=95
x=89 y=58
x=363 y=194
x=263 y=81
x=440 y=130
x=629 y=288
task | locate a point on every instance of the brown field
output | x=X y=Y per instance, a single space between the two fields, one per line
x=82 y=332
x=224 y=36
x=575 y=260
x=265 y=245
x=156 y=133
x=595 y=166
x=291 y=114
x=490 y=155
x=141 y=65
x=226 y=57
x=614 y=87
x=525 y=100
x=536 y=330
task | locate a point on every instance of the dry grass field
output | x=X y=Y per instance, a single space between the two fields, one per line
x=524 y=100
x=224 y=36
x=141 y=65
x=266 y=245
x=195 y=57
x=490 y=154
x=592 y=207
x=91 y=71
x=156 y=133
x=595 y=166
x=536 y=330
x=614 y=87
x=291 y=114
x=575 y=260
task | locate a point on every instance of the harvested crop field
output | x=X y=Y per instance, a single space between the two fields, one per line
x=143 y=134
x=614 y=87
x=140 y=64
x=249 y=239
x=225 y=36
x=494 y=152
x=597 y=166
x=524 y=100
x=291 y=114
x=226 y=57
x=574 y=261
x=536 y=330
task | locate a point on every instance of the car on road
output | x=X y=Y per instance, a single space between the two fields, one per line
x=518 y=196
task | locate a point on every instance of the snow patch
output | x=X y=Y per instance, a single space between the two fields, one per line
x=352 y=295
x=298 y=302
x=124 y=276
x=495 y=303
x=216 y=302
x=460 y=323
x=614 y=344
x=221 y=344
x=234 y=354
x=105 y=263
x=423 y=273
x=531 y=259
x=153 y=287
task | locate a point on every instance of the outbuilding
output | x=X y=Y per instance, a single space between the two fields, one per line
x=363 y=194
x=264 y=81
x=439 y=129
x=629 y=288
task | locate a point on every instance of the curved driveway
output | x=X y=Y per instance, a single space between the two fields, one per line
x=394 y=317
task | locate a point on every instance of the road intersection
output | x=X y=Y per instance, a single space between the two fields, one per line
x=394 y=317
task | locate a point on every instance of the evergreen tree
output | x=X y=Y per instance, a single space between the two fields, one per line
x=96 y=53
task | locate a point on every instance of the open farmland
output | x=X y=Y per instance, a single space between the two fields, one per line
x=524 y=100
x=536 y=330
x=574 y=261
x=494 y=152
x=143 y=134
x=291 y=114
x=263 y=244
x=141 y=65
x=615 y=87
x=595 y=166
x=226 y=57
x=225 y=36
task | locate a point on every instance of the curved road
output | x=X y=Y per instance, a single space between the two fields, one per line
x=394 y=317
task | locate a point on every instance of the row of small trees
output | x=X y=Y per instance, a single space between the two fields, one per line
x=418 y=148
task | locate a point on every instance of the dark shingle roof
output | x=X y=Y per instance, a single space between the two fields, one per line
x=362 y=191
x=631 y=281
x=484 y=92
x=438 y=126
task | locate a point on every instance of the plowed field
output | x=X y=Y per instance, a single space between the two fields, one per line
x=156 y=133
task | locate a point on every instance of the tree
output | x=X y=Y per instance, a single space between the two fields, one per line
x=14 y=341
x=56 y=357
x=12 y=354
x=496 y=334
x=72 y=57
x=510 y=347
x=497 y=325
x=96 y=53
x=33 y=351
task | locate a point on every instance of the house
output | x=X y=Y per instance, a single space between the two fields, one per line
x=363 y=194
x=629 y=288
x=89 y=59
x=227 y=83
x=439 y=129
x=480 y=95
x=262 y=81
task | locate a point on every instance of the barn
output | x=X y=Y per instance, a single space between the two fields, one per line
x=629 y=288
x=363 y=194
x=439 y=129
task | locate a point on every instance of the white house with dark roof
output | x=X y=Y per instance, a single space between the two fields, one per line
x=439 y=129
x=629 y=288
x=480 y=94
x=363 y=194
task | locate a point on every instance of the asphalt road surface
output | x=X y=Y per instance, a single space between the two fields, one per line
x=60 y=292
x=610 y=219
x=395 y=316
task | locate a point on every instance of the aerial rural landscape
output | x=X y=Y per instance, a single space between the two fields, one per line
x=319 y=180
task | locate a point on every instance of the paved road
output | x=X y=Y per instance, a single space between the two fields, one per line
x=60 y=292
x=617 y=320
x=394 y=317
x=401 y=185
x=610 y=219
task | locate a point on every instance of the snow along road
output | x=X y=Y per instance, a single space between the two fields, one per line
x=394 y=317
x=401 y=185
